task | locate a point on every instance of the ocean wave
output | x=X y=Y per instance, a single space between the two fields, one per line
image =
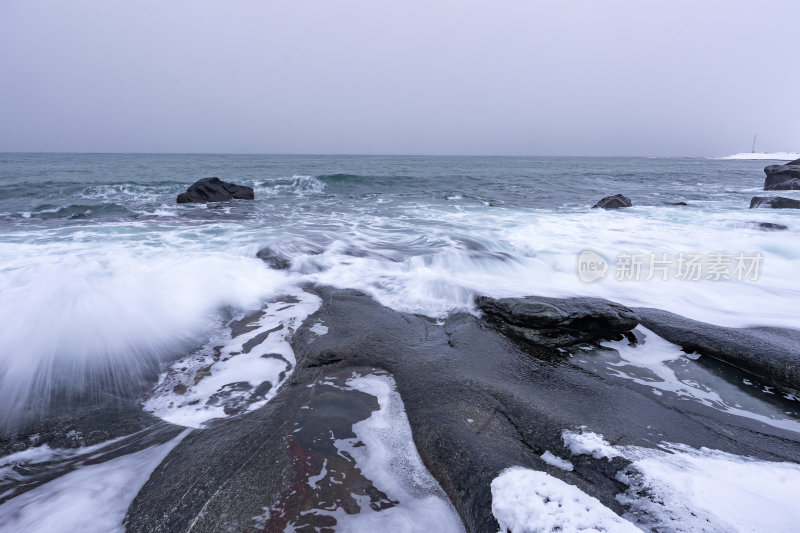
x=77 y=211
x=100 y=317
x=295 y=185
x=129 y=191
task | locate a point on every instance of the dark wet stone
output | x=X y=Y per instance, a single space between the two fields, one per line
x=258 y=339
x=77 y=424
x=792 y=184
x=274 y=259
x=476 y=402
x=769 y=226
x=677 y=203
x=775 y=202
x=613 y=202
x=246 y=324
x=214 y=190
x=558 y=322
x=770 y=354
x=782 y=177
x=254 y=472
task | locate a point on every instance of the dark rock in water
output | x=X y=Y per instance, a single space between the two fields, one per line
x=677 y=203
x=769 y=226
x=771 y=354
x=558 y=322
x=274 y=258
x=613 y=202
x=476 y=404
x=792 y=184
x=782 y=177
x=214 y=190
x=775 y=202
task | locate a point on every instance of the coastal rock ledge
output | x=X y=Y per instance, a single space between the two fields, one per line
x=783 y=177
x=214 y=190
x=558 y=322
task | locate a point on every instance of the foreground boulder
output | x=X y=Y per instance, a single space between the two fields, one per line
x=783 y=177
x=770 y=354
x=558 y=322
x=613 y=202
x=775 y=202
x=215 y=190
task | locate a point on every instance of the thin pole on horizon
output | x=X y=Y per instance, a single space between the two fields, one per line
x=754 y=142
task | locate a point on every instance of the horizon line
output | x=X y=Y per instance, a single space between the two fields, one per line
x=343 y=154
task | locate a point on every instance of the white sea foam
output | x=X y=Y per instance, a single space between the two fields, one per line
x=527 y=501
x=385 y=453
x=553 y=460
x=679 y=488
x=588 y=443
x=76 y=313
x=91 y=499
x=535 y=252
x=223 y=377
x=660 y=359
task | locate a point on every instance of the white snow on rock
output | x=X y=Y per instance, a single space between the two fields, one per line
x=588 y=443
x=527 y=501
x=551 y=459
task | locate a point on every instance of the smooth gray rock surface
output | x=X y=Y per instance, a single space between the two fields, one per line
x=558 y=322
x=771 y=354
x=476 y=403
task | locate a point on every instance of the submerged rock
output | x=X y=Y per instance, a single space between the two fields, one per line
x=613 y=202
x=771 y=354
x=274 y=258
x=214 y=190
x=769 y=226
x=775 y=202
x=783 y=177
x=558 y=322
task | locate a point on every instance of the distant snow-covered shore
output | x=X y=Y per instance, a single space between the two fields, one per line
x=774 y=156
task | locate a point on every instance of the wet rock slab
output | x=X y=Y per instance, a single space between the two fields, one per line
x=771 y=354
x=558 y=322
x=476 y=402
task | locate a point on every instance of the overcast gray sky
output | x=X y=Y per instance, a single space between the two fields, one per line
x=559 y=77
